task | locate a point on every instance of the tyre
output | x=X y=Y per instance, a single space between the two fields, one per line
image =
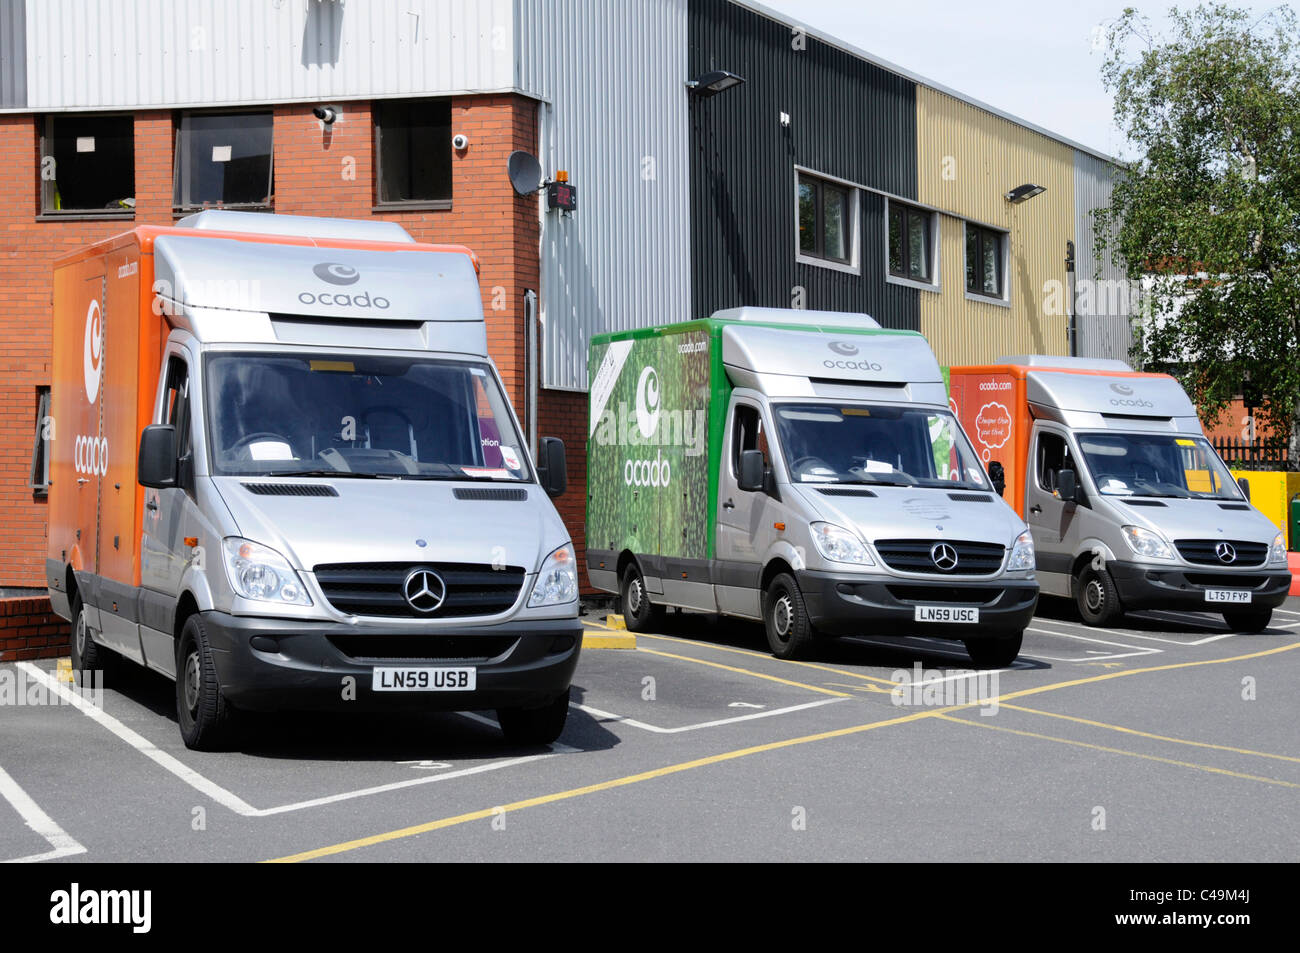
x=1097 y=597
x=996 y=652
x=535 y=726
x=790 y=633
x=205 y=718
x=87 y=655
x=639 y=613
x=1248 y=620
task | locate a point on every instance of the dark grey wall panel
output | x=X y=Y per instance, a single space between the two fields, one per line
x=13 y=54
x=848 y=118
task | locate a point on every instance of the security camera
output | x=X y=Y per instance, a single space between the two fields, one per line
x=326 y=114
x=460 y=141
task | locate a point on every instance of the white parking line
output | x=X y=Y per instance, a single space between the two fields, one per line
x=233 y=801
x=1288 y=612
x=1146 y=638
x=38 y=821
x=1138 y=649
x=659 y=730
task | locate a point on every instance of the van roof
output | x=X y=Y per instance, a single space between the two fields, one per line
x=302 y=226
x=1078 y=384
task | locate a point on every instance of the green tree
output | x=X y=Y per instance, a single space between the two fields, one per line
x=1209 y=210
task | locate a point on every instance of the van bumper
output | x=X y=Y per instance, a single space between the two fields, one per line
x=1142 y=586
x=857 y=604
x=285 y=664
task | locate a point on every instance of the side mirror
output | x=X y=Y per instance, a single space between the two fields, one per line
x=1067 y=486
x=156 y=464
x=552 y=471
x=998 y=476
x=1244 y=484
x=753 y=473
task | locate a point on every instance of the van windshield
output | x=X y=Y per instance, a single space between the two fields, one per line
x=1166 y=465
x=876 y=444
x=347 y=415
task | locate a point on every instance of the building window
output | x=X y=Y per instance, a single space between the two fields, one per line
x=88 y=166
x=413 y=149
x=985 y=262
x=224 y=159
x=39 y=480
x=827 y=221
x=911 y=243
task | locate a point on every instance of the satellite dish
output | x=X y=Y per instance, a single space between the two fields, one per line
x=525 y=172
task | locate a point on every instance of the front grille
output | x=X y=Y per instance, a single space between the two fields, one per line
x=1202 y=551
x=1224 y=580
x=423 y=648
x=375 y=589
x=913 y=555
x=926 y=595
x=291 y=489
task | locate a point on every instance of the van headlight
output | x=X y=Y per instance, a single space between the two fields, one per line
x=1277 y=552
x=557 y=582
x=839 y=545
x=1146 y=543
x=1022 y=552
x=259 y=572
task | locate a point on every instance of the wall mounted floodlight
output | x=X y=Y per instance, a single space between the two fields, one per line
x=326 y=114
x=1022 y=193
x=714 y=82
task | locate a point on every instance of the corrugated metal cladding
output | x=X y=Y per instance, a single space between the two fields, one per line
x=13 y=54
x=615 y=121
x=88 y=54
x=848 y=118
x=1106 y=307
x=968 y=160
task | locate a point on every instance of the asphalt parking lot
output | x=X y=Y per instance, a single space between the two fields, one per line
x=1166 y=739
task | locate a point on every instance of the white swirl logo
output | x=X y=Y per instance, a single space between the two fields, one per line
x=337 y=274
x=93 y=355
x=647 y=403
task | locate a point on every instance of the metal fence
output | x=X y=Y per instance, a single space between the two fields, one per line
x=1260 y=455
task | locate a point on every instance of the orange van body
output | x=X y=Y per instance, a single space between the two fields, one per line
x=108 y=344
x=991 y=404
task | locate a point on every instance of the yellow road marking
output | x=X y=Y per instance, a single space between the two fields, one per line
x=610 y=640
x=598 y=625
x=777 y=745
x=595 y=788
x=1146 y=734
x=1130 y=754
x=745 y=671
x=773 y=658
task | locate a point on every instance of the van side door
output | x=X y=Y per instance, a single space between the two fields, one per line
x=1049 y=517
x=744 y=519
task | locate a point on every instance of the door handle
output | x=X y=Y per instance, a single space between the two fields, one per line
x=1035 y=508
x=151 y=505
x=729 y=505
x=82 y=481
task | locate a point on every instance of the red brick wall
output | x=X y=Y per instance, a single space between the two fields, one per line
x=317 y=172
x=28 y=630
x=563 y=414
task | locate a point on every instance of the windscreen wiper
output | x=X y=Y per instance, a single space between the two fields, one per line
x=339 y=474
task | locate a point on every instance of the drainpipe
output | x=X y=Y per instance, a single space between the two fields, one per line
x=530 y=316
x=1073 y=331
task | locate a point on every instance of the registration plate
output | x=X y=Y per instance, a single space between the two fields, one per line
x=1227 y=595
x=391 y=679
x=946 y=614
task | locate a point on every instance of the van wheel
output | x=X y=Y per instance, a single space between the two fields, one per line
x=535 y=726
x=1097 y=597
x=639 y=613
x=1248 y=620
x=996 y=652
x=206 y=719
x=790 y=633
x=87 y=655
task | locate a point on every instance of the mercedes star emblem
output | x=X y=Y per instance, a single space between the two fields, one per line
x=1226 y=552
x=944 y=556
x=424 y=590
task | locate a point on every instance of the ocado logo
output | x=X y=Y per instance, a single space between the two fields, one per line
x=843 y=347
x=1122 y=389
x=93 y=354
x=1131 y=403
x=337 y=274
x=647 y=402
x=90 y=455
x=853 y=365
